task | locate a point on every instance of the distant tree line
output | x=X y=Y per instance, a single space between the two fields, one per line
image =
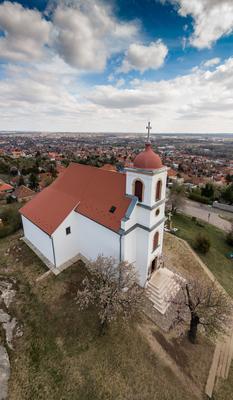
x=210 y=192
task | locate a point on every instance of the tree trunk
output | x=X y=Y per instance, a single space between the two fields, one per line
x=192 y=334
x=103 y=328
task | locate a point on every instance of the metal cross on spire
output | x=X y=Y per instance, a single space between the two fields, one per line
x=149 y=127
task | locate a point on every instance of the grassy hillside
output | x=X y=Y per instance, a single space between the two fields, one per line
x=215 y=259
x=60 y=355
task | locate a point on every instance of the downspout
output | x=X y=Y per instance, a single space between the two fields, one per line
x=53 y=252
x=120 y=258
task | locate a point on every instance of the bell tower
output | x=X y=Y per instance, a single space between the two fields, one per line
x=146 y=182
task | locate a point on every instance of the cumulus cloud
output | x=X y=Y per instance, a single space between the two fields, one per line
x=25 y=33
x=212 y=62
x=200 y=94
x=88 y=34
x=49 y=96
x=212 y=19
x=140 y=57
x=84 y=33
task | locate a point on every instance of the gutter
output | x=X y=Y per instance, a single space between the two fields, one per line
x=120 y=238
x=53 y=251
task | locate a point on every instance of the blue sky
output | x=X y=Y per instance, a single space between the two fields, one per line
x=95 y=65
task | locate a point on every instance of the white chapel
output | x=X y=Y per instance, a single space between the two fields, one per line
x=89 y=211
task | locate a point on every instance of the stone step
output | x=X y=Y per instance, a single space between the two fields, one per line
x=227 y=358
x=170 y=287
x=157 y=300
x=224 y=361
x=162 y=310
x=162 y=289
x=160 y=303
x=213 y=369
x=230 y=356
x=157 y=296
x=222 y=347
x=162 y=282
x=158 y=278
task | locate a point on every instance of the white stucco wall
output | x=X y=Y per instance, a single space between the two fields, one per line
x=86 y=237
x=138 y=243
x=150 y=183
x=92 y=239
x=38 y=238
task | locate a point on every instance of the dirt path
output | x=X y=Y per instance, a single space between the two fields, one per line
x=146 y=330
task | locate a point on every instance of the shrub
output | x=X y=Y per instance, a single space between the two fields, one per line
x=202 y=244
x=11 y=221
x=199 y=198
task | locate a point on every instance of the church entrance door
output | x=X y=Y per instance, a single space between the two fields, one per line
x=154 y=265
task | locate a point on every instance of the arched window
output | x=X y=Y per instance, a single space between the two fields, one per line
x=158 y=190
x=138 y=189
x=156 y=241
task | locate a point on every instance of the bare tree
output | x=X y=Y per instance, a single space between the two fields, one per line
x=112 y=288
x=207 y=305
x=177 y=197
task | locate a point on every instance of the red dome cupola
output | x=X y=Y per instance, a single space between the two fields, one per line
x=148 y=159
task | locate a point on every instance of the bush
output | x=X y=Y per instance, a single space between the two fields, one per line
x=202 y=244
x=11 y=221
x=10 y=200
x=199 y=198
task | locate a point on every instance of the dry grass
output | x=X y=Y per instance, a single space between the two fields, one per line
x=223 y=391
x=194 y=361
x=60 y=356
x=180 y=259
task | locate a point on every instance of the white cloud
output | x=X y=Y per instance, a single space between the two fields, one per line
x=84 y=33
x=25 y=33
x=88 y=34
x=120 y=82
x=200 y=101
x=46 y=91
x=48 y=96
x=212 y=62
x=140 y=57
x=212 y=19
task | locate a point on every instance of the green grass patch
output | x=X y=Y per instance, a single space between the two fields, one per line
x=215 y=259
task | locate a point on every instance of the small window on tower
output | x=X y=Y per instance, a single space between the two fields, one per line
x=157 y=212
x=138 y=190
x=112 y=209
x=68 y=230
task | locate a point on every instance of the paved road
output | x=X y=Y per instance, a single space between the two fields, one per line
x=208 y=214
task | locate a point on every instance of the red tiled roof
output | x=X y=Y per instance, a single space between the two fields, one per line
x=91 y=191
x=109 y=167
x=4 y=187
x=148 y=159
x=171 y=172
x=48 y=209
x=22 y=192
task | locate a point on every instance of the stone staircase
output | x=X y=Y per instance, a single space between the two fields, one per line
x=161 y=288
x=221 y=363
